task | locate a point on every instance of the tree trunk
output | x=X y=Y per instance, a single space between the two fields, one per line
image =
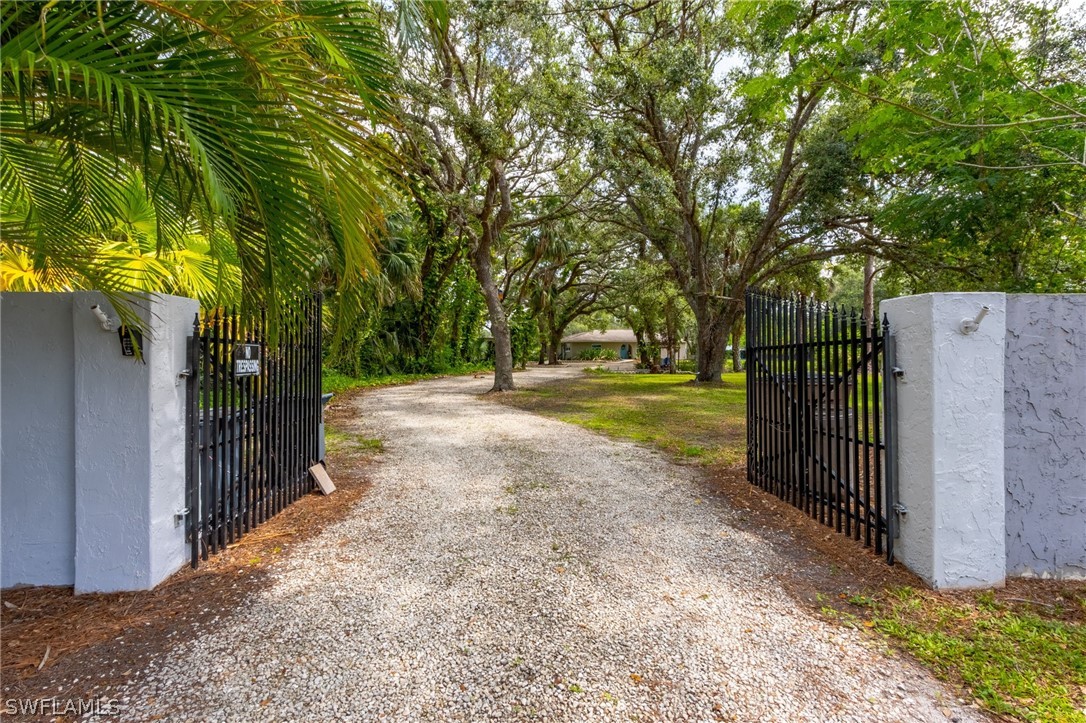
x=555 y=344
x=499 y=323
x=642 y=350
x=737 y=333
x=541 y=336
x=714 y=328
x=652 y=343
x=869 y=287
x=711 y=347
x=672 y=331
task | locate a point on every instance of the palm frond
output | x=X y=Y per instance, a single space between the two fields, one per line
x=250 y=121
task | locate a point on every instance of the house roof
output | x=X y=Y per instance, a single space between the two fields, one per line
x=616 y=336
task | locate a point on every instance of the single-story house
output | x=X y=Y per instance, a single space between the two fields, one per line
x=622 y=341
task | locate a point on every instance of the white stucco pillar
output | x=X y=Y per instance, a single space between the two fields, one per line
x=950 y=438
x=129 y=446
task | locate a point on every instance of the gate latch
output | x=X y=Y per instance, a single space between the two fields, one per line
x=179 y=516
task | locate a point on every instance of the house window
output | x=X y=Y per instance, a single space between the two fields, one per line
x=597 y=347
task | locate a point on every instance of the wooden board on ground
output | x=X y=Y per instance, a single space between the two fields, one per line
x=320 y=476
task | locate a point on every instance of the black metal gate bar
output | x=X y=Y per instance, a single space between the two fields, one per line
x=252 y=437
x=817 y=411
x=193 y=441
x=890 y=375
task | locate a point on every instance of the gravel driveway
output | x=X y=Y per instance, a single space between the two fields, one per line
x=511 y=567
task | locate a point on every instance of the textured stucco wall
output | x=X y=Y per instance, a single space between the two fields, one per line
x=130 y=450
x=910 y=320
x=1045 y=435
x=950 y=435
x=112 y=438
x=37 y=445
x=113 y=490
x=167 y=357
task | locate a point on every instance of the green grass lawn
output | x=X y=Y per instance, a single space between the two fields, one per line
x=1020 y=659
x=706 y=422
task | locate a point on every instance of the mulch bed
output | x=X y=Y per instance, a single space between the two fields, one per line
x=831 y=568
x=55 y=643
x=827 y=564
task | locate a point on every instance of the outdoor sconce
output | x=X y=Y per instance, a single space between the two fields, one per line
x=968 y=326
x=106 y=323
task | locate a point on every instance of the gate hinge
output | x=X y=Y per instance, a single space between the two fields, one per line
x=898 y=372
x=179 y=516
x=900 y=509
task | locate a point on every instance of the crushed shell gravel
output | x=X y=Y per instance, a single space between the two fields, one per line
x=511 y=567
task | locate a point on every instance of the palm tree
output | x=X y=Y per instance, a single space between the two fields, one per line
x=244 y=123
x=197 y=266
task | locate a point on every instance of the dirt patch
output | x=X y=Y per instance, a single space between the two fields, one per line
x=56 y=644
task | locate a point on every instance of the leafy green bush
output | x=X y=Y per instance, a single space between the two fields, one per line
x=685 y=365
x=598 y=355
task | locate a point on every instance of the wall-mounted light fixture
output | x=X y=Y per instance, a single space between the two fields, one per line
x=106 y=323
x=968 y=326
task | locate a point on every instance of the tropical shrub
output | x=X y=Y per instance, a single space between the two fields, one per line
x=598 y=355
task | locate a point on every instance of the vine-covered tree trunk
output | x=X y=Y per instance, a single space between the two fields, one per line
x=541 y=328
x=642 y=348
x=553 y=336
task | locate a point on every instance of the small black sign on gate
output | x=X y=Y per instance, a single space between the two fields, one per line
x=246 y=360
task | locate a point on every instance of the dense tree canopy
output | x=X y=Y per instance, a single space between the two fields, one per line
x=469 y=181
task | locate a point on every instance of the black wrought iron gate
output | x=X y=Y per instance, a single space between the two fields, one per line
x=819 y=396
x=254 y=411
